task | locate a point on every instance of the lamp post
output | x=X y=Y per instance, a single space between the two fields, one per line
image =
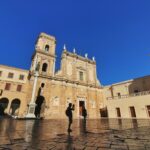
x=32 y=105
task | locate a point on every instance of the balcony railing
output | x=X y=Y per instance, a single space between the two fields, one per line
x=129 y=95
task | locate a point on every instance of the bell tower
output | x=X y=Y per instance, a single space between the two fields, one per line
x=44 y=55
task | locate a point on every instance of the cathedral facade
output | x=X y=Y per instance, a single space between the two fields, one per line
x=50 y=91
x=76 y=82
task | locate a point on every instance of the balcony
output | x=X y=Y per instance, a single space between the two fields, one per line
x=129 y=95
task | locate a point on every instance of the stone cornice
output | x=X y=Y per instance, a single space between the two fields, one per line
x=74 y=55
x=67 y=80
x=47 y=36
x=44 y=53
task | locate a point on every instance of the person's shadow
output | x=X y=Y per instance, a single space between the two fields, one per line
x=83 y=128
x=69 y=145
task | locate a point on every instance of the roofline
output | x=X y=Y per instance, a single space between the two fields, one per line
x=127 y=81
x=10 y=67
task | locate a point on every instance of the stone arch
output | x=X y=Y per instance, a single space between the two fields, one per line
x=3 y=105
x=44 y=67
x=15 y=105
x=46 y=47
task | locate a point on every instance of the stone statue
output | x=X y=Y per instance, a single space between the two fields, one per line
x=86 y=55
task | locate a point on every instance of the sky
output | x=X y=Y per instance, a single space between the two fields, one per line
x=116 y=32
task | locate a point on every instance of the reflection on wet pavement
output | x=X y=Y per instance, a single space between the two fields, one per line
x=100 y=134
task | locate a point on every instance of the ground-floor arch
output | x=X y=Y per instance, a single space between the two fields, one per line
x=15 y=105
x=3 y=105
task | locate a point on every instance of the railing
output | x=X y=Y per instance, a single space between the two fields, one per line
x=129 y=95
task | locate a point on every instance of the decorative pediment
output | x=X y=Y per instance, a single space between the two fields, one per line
x=81 y=68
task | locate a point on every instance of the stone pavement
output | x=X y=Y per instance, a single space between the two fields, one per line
x=101 y=134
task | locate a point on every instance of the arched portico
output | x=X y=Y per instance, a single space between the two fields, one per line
x=3 y=105
x=14 y=108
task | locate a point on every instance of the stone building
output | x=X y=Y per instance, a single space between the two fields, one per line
x=128 y=99
x=75 y=82
x=13 y=89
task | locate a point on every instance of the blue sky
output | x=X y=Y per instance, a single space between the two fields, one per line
x=116 y=32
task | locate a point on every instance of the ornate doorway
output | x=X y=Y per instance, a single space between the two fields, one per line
x=80 y=103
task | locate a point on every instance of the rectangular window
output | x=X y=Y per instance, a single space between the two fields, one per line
x=10 y=75
x=148 y=110
x=21 y=77
x=19 y=87
x=132 y=110
x=7 y=86
x=0 y=73
x=81 y=75
x=119 y=95
x=118 y=112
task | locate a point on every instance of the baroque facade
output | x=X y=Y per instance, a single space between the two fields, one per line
x=75 y=82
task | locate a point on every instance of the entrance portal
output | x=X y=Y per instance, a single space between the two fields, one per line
x=81 y=105
x=39 y=101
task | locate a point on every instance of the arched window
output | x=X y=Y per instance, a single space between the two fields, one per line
x=46 y=48
x=44 y=67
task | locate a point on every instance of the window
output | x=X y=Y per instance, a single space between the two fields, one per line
x=118 y=112
x=148 y=110
x=21 y=77
x=0 y=73
x=44 y=67
x=132 y=110
x=10 y=75
x=46 y=48
x=119 y=95
x=19 y=87
x=81 y=75
x=42 y=85
x=7 y=86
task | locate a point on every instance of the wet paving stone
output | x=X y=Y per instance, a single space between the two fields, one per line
x=102 y=134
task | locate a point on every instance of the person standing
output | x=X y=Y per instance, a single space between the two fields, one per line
x=69 y=110
x=84 y=112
